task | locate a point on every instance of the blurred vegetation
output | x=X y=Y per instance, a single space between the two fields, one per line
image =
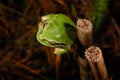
x=23 y=58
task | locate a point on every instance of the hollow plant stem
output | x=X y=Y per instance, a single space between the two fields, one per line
x=84 y=32
x=96 y=61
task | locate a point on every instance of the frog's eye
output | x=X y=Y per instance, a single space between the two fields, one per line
x=41 y=26
x=42 y=23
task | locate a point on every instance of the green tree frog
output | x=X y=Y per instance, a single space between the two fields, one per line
x=56 y=30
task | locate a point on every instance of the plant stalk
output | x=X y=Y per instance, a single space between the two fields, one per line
x=96 y=61
x=84 y=32
x=58 y=61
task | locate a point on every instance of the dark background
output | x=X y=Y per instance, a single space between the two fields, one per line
x=23 y=58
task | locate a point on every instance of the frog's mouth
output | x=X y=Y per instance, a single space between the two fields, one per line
x=55 y=44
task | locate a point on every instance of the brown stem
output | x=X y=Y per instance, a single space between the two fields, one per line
x=84 y=69
x=58 y=52
x=84 y=32
x=50 y=57
x=96 y=61
x=58 y=60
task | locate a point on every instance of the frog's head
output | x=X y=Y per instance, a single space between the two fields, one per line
x=56 y=30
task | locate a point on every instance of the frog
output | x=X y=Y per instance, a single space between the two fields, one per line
x=56 y=30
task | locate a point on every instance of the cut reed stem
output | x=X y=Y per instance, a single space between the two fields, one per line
x=84 y=32
x=96 y=61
